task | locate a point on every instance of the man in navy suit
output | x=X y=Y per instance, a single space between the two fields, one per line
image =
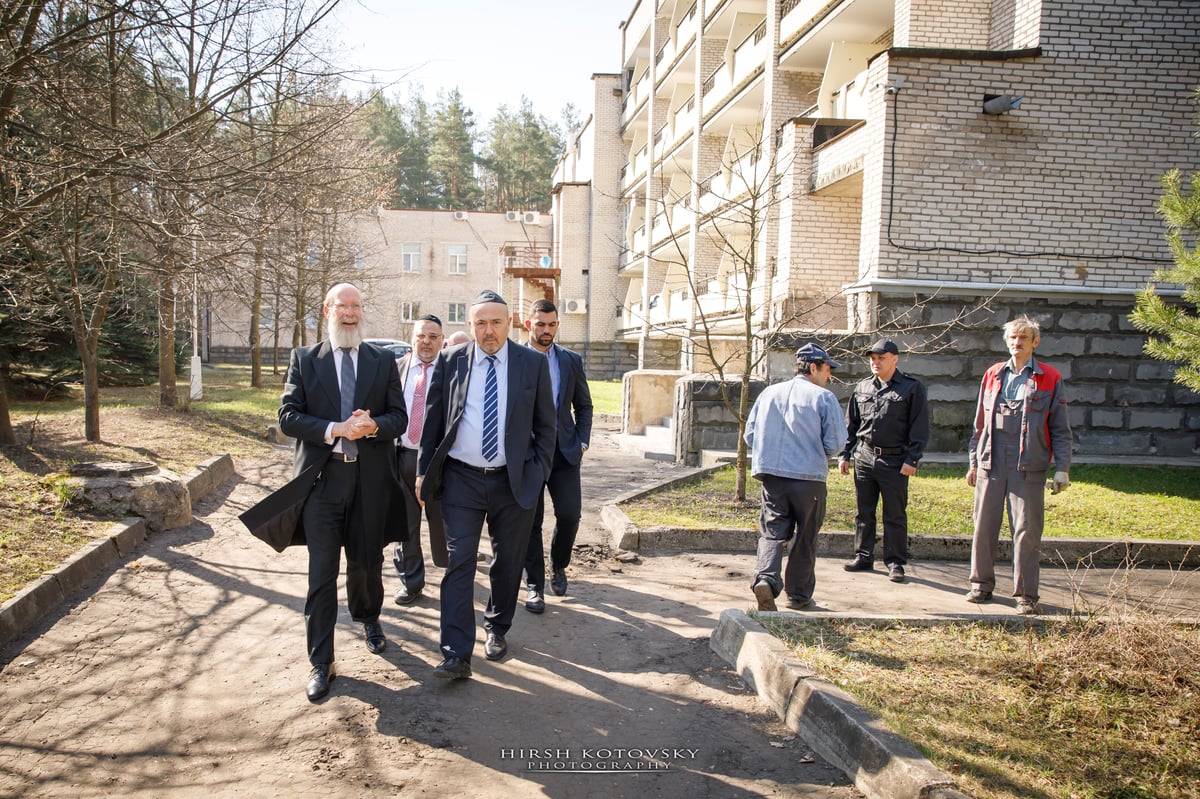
x=573 y=404
x=486 y=451
x=343 y=404
x=416 y=372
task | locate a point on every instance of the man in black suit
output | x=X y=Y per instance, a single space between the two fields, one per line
x=416 y=372
x=573 y=404
x=343 y=404
x=485 y=452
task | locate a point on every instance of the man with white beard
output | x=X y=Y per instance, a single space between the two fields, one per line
x=344 y=405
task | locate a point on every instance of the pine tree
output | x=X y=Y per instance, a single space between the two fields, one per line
x=452 y=157
x=1175 y=328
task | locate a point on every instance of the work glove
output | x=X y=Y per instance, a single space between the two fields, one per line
x=1061 y=481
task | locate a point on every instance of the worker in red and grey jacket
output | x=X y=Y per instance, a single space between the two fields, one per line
x=1021 y=428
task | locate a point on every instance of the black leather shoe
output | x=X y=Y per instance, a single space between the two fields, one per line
x=376 y=643
x=453 y=668
x=406 y=597
x=798 y=602
x=896 y=573
x=535 y=602
x=495 y=647
x=859 y=564
x=558 y=582
x=318 y=681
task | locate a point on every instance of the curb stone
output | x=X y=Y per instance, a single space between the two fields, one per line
x=46 y=592
x=1088 y=552
x=882 y=764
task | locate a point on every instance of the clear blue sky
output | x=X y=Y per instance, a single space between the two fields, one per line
x=494 y=51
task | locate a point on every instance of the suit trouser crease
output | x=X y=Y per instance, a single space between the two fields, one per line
x=875 y=480
x=469 y=499
x=333 y=513
x=792 y=510
x=565 y=493
x=407 y=556
x=1023 y=494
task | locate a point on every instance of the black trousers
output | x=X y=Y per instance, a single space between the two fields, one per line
x=876 y=479
x=564 y=489
x=469 y=498
x=407 y=557
x=332 y=514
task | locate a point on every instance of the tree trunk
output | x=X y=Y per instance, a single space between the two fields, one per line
x=255 y=337
x=167 y=394
x=7 y=436
x=91 y=393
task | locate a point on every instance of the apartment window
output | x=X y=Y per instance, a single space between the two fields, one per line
x=410 y=256
x=457 y=313
x=408 y=311
x=457 y=258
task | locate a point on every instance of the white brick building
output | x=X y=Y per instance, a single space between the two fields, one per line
x=893 y=184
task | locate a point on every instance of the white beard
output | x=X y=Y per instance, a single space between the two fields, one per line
x=340 y=336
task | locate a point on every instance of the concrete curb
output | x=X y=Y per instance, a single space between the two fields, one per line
x=45 y=593
x=1070 y=552
x=882 y=764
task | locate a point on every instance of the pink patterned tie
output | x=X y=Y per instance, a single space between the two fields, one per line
x=416 y=417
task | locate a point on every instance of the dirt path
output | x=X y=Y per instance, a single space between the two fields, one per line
x=181 y=673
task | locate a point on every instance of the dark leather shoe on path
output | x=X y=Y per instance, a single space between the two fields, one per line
x=764 y=595
x=495 y=647
x=798 y=602
x=896 y=574
x=318 y=681
x=376 y=642
x=859 y=564
x=978 y=595
x=558 y=582
x=535 y=602
x=453 y=668
x=406 y=597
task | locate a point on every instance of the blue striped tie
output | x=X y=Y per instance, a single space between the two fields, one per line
x=491 y=412
x=349 y=448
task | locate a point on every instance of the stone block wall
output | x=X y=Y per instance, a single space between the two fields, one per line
x=702 y=419
x=1121 y=402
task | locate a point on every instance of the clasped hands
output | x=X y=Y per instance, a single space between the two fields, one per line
x=359 y=425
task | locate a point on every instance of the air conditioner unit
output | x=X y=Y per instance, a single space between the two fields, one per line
x=575 y=306
x=545 y=262
x=533 y=218
x=512 y=216
x=460 y=216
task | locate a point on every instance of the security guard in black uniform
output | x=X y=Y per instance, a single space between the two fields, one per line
x=887 y=421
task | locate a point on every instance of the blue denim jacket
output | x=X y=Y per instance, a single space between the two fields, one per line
x=793 y=429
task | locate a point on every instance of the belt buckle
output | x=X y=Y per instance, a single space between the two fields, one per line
x=349 y=458
x=877 y=450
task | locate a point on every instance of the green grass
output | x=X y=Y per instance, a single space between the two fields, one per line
x=606 y=396
x=1155 y=502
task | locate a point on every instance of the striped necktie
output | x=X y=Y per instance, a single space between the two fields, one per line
x=349 y=448
x=491 y=409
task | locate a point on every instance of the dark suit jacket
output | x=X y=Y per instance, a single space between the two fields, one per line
x=574 y=406
x=311 y=400
x=529 y=430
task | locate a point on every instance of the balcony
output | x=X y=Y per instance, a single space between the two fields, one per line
x=635 y=100
x=809 y=28
x=716 y=88
x=750 y=54
x=526 y=261
x=837 y=161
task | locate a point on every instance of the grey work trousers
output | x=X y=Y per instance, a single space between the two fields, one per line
x=1023 y=493
x=791 y=510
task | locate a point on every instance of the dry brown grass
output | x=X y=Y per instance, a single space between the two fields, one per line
x=1096 y=706
x=41 y=525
